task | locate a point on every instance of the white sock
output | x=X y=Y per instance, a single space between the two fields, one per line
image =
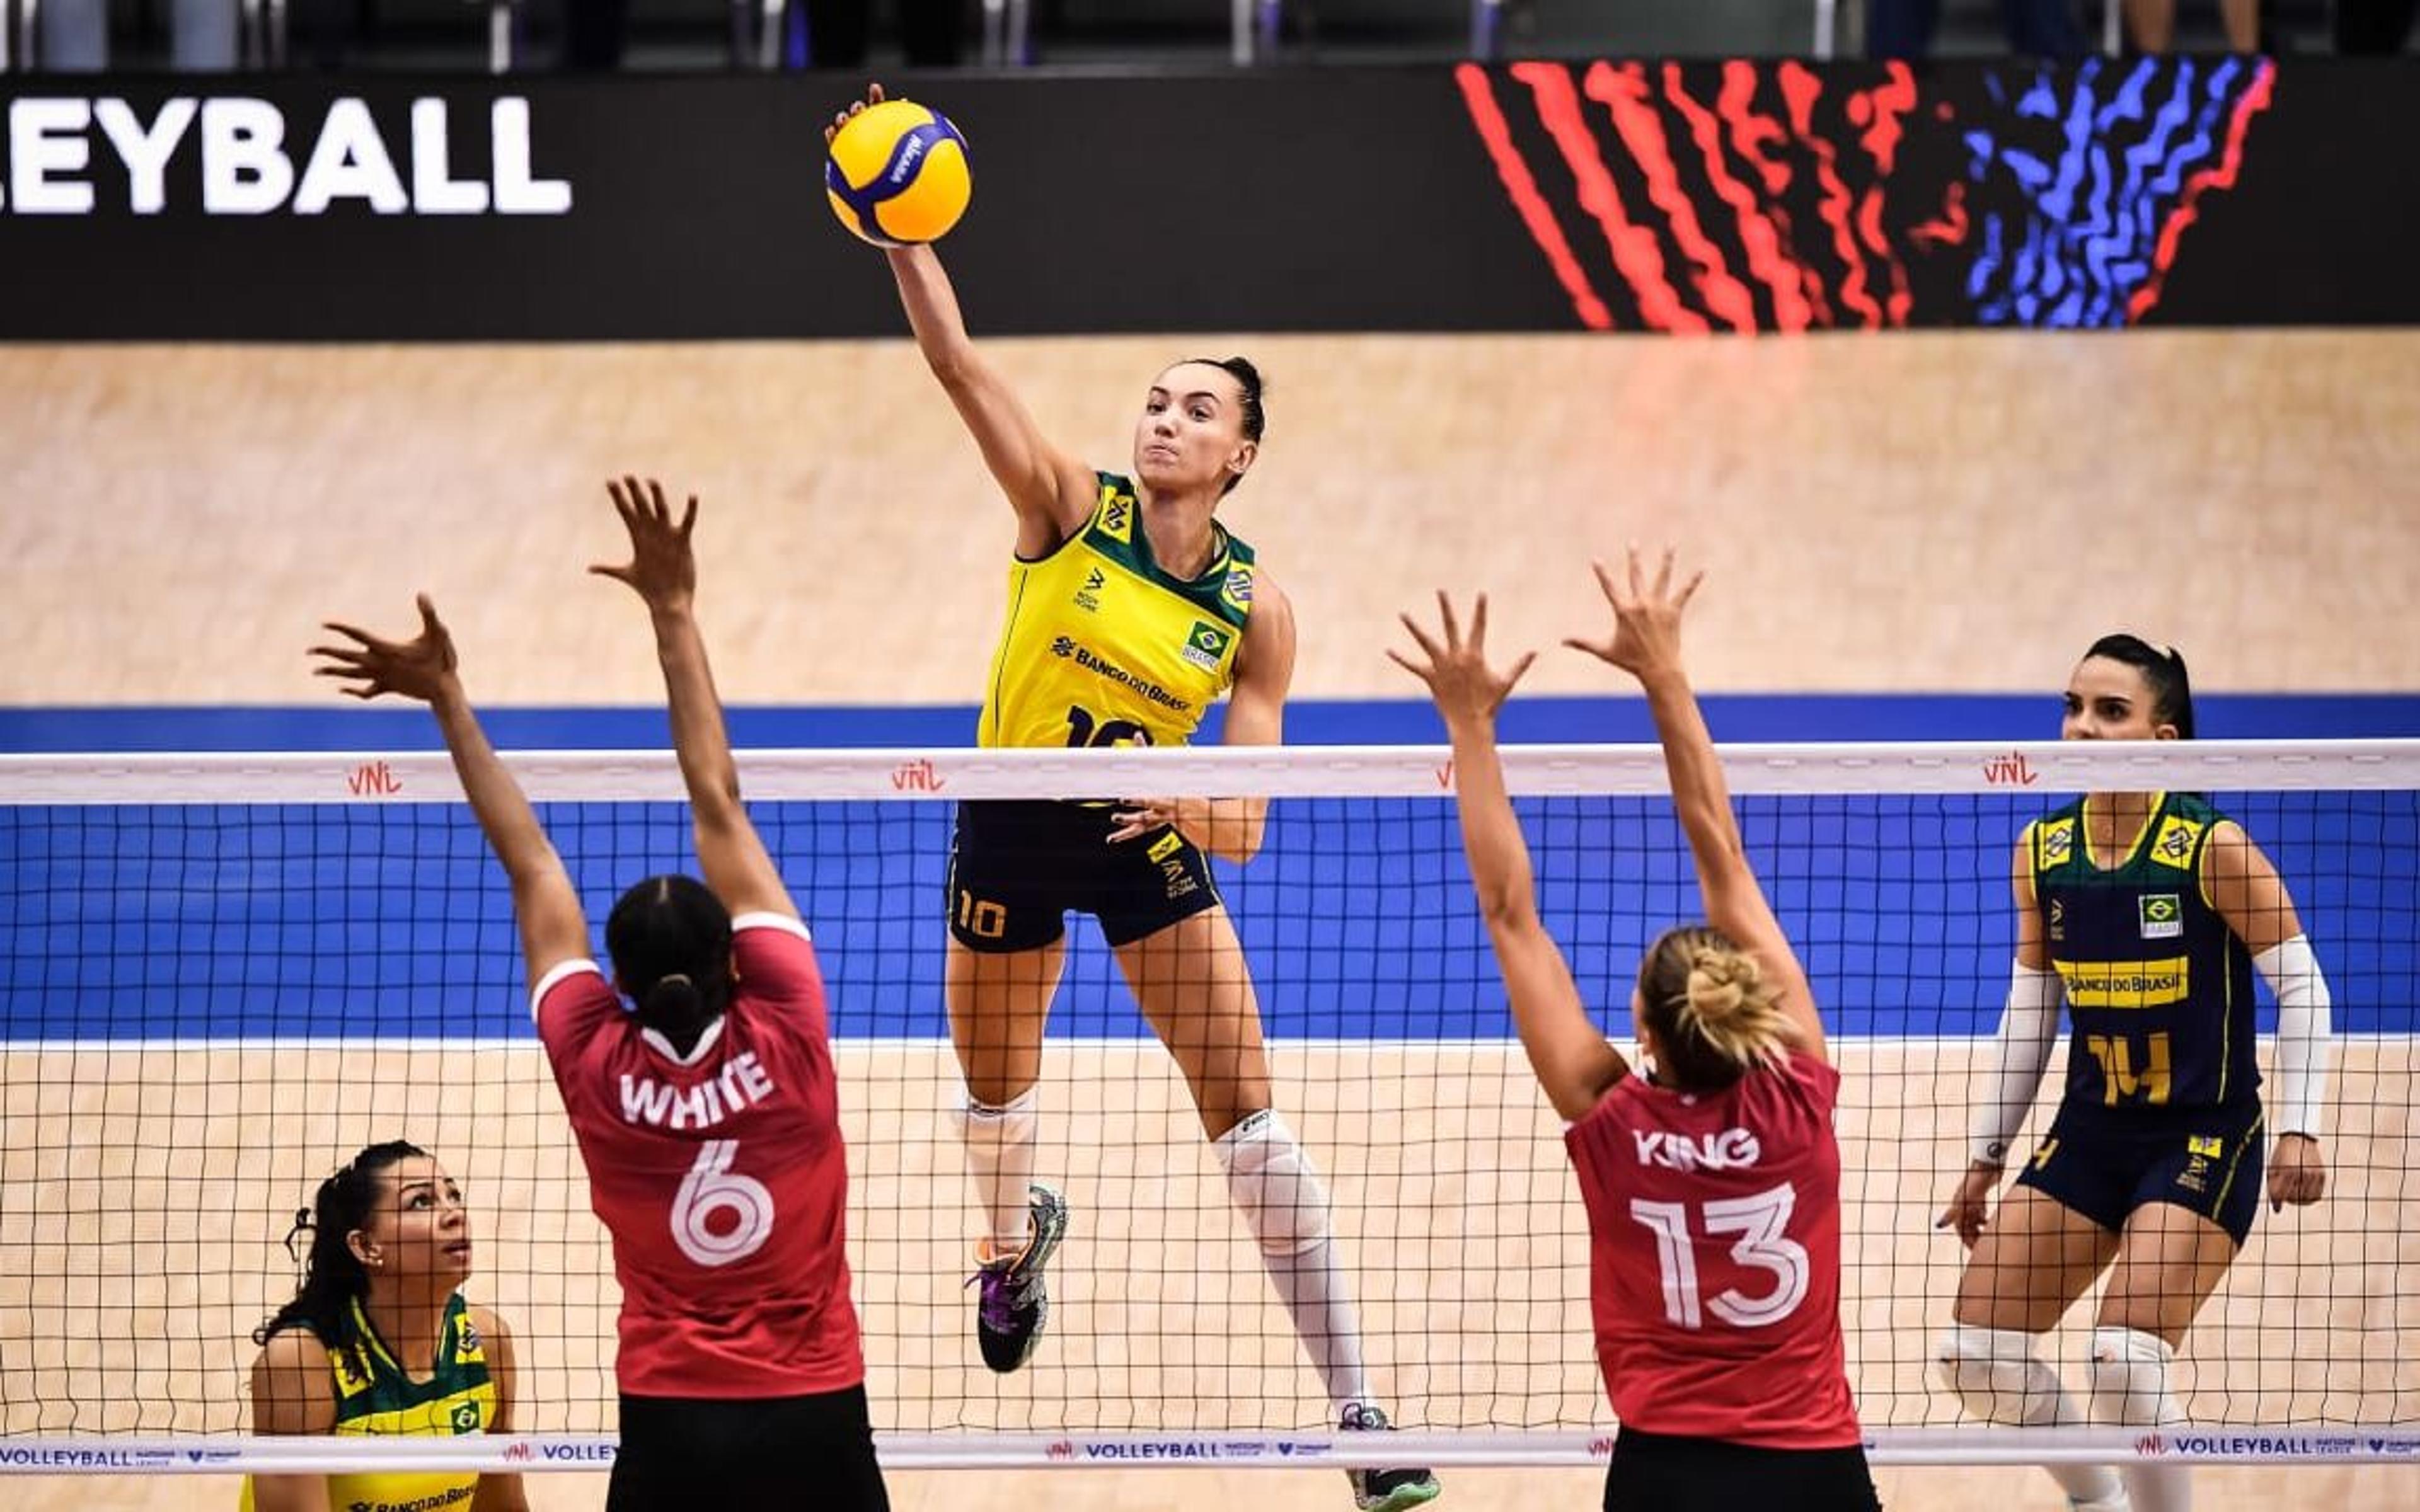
x=999 y=1157
x=1279 y=1192
x=1311 y=1285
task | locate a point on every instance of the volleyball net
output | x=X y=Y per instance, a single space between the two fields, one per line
x=223 y=975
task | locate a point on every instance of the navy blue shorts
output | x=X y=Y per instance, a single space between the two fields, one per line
x=2105 y=1163
x=1019 y=868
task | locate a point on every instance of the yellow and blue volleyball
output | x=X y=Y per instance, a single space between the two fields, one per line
x=897 y=174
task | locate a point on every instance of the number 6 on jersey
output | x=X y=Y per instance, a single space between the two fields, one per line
x=712 y=1187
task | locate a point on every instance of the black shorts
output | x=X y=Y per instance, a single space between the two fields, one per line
x=1017 y=867
x=2105 y=1163
x=778 y=1454
x=1668 y=1473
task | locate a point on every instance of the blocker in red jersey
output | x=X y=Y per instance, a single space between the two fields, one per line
x=1711 y=1174
x=707 y=1111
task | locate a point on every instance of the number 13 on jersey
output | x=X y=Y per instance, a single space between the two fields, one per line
x=1759 y=1221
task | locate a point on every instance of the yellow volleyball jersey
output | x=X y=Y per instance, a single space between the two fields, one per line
x=375 y=1397
x=1103 y=647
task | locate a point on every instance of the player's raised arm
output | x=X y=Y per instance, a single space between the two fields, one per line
x=1052 y=491
x=663 y=571
x=1571 y=1057
x=1646 y=643
x=553 y=928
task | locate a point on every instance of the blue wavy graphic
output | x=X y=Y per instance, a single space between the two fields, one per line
x=2103 y=162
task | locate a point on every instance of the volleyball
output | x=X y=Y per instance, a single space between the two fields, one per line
x=897 y=174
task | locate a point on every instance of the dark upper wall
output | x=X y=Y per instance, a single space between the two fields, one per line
x=1539 y=197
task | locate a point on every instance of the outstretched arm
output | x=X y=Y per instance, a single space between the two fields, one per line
x=1052 y=491
x=553 y=928
x=1573 y=1063
x=663 y=571
x=1645 y=642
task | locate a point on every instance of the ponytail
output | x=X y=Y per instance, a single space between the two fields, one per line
x=670 y=937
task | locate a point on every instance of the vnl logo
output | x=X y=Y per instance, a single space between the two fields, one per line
x=257 y=157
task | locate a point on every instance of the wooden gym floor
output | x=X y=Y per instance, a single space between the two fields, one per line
x=1950 y=513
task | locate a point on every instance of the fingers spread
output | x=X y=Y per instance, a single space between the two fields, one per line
x=1605 y=579
x=1689 y=588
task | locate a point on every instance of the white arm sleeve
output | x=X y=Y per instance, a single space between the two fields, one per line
x=2293 y=974
x=2020 y=1053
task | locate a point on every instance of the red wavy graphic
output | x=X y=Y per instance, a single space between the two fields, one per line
x=1767 y=245
x=1760 y=140
x=1624 y=93
x=1800 y=88
x=1636 y=250
x=1478 y=97
x=1695 y=175
x=1950 y=228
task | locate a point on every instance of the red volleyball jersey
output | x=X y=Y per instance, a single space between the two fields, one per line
x=720 y=1176
x=1714 y=1257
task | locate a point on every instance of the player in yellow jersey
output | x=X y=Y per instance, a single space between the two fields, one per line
x=1131 y=609
x=378 y=1340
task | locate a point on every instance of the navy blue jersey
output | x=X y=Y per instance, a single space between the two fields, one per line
x=2158 y=988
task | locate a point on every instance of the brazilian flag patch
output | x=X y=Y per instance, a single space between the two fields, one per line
x=2161 y=916
x=1205 y=644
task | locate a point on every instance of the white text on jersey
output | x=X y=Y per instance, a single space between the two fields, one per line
x=1731 y=1149
x=742 y=1081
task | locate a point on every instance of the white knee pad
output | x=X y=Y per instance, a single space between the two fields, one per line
x=1274 y=1185
x=986 y=1129
x=1995 y=1372
x=2130 y=1378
